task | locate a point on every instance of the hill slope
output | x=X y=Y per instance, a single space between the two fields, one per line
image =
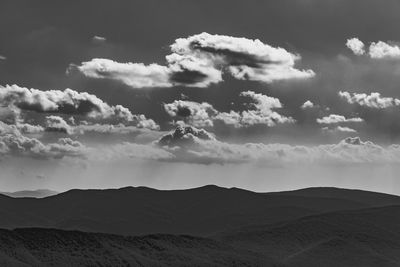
x=367 y=237
x=50 y=247
x=359 y=238
x=199 y=211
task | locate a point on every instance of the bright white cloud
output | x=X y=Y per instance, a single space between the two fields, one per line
x=136 y=75
x=333 y=119
x=57 y=124
x=384 y=50
x=245 y=59
x=357 y=46
x=16 y=98
x=373 y=100
x=307 y=104
x=376 y=50
x=261 y=112
x=193 y=113
x=199 y=61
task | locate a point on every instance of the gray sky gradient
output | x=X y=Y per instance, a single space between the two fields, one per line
x=246 y=95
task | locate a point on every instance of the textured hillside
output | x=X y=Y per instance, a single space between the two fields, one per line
x=200 y=211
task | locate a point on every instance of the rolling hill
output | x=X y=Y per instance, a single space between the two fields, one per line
x=200 y=211
x=358 y=238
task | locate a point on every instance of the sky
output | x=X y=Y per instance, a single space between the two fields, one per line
x=263 y=95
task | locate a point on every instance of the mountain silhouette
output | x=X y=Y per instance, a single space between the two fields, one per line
x=200 y=211
x=40 y=193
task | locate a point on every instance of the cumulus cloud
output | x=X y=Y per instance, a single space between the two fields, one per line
x=373 y=100
x=27 y=128
x=200 y=60
x=357 y=46
x=376 y=50
x=193 y=113
x=12 y=142
x=261 y=112
x=384 y=50
x=14 y=98
x=209 y=150
x=307 y=104
x=333 y=119
x=244 y=59
x=67 y=101
x=185 y=135
x=136 y=75
x=57 y=124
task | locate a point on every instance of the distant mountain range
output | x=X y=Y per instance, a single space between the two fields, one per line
x=40 y=193
x=206 y=226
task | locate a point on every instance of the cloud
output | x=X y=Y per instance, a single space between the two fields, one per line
x=261 y=112
x=189 y=147
x=110 y=129
x=384 y=50
x=57 y=124
x=373 y=100
x=192 y=71
x=333 y=119
x=12 y=142
x=27 y=128
x=71 y=102
x=355 y=45
x=244 y=59
x=2 y=57
x=339 y=129
x=376 y=50
x=98 y=39
x=185 y=136
x=193 y=113
x=307 y=104
x=136 y=75
x=199 y=61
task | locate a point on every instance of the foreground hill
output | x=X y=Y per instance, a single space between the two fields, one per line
x=200 y=211
x=49 y=247
x=359 y=238
x=367 y=237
